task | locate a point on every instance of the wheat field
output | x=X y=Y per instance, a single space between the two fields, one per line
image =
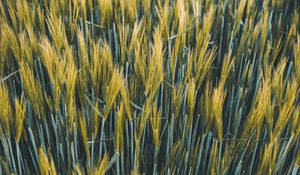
x=149 y=87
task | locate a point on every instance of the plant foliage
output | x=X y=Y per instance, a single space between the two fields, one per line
x=149 y=87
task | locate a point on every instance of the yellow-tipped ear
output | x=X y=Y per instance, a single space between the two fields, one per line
x=20 y=108
x=218 y=99
x=33 y=90
x=84 y=134
x=155 y=120
x=71 y=72
x=112 y=90
x=191 y=100
x=119 y=129
x=102 y=165
x=47 y=166
x=5 y=109
x=297 y=58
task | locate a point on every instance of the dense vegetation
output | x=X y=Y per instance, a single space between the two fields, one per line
x=149 y=87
